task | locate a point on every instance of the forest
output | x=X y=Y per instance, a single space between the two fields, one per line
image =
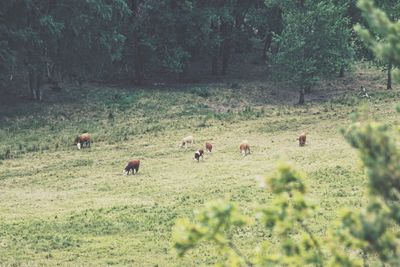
x=144 y=42
x=266 y=132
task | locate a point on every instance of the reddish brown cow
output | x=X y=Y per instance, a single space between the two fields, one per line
x=244 y=149
x=83 y=139
x=302 y=139
x=133 y=165
x=199 y=153
x=209 y=147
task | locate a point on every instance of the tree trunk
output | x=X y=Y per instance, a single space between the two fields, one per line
x=341 y=72
x=301 y=96
x=39 y=96
x=389 y=77
x=267 y=45
x=31 y=82
x=239 y=21
x=35 y=82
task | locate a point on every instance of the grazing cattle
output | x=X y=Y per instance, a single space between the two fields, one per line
x=244 y=148
x=83 y=139
x=302 y=139
x=209 y=147
x=133 y=165
x=199 y=153
x=186 y=141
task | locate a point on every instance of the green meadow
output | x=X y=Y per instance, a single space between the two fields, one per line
x=69 y=207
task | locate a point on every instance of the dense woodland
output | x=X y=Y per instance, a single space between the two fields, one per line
x=145 y=41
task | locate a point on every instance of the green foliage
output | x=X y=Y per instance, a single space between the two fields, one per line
x=289 y=211
x=382 y=36
x=375 y=155
x=286 y=180
x=136 y=38
x=214 y=221
x=373 y=34
x=371 y=229
x=55 y=39
x=143 y=40
x=286 y=213
x=314 y=43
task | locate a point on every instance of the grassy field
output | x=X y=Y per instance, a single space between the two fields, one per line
x=61 y=206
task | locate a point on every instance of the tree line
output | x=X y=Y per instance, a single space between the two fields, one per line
x=56 y=40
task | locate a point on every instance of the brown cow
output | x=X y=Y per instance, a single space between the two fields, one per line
x=83 y=139
x=209 y=147
x=244 y=148
x=199 y=153
x=302 y=139
x=133 y=165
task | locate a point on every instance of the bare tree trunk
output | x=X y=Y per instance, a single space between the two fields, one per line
x=267 y=45
x=301 y=96
x=239 y=21
x=31 y=80
x=39 y=96
x=389 y=76
x=35 y=83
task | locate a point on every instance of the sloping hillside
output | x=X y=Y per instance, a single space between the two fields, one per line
x=64 y=206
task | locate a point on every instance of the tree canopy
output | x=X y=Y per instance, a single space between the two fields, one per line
x=301 y=42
